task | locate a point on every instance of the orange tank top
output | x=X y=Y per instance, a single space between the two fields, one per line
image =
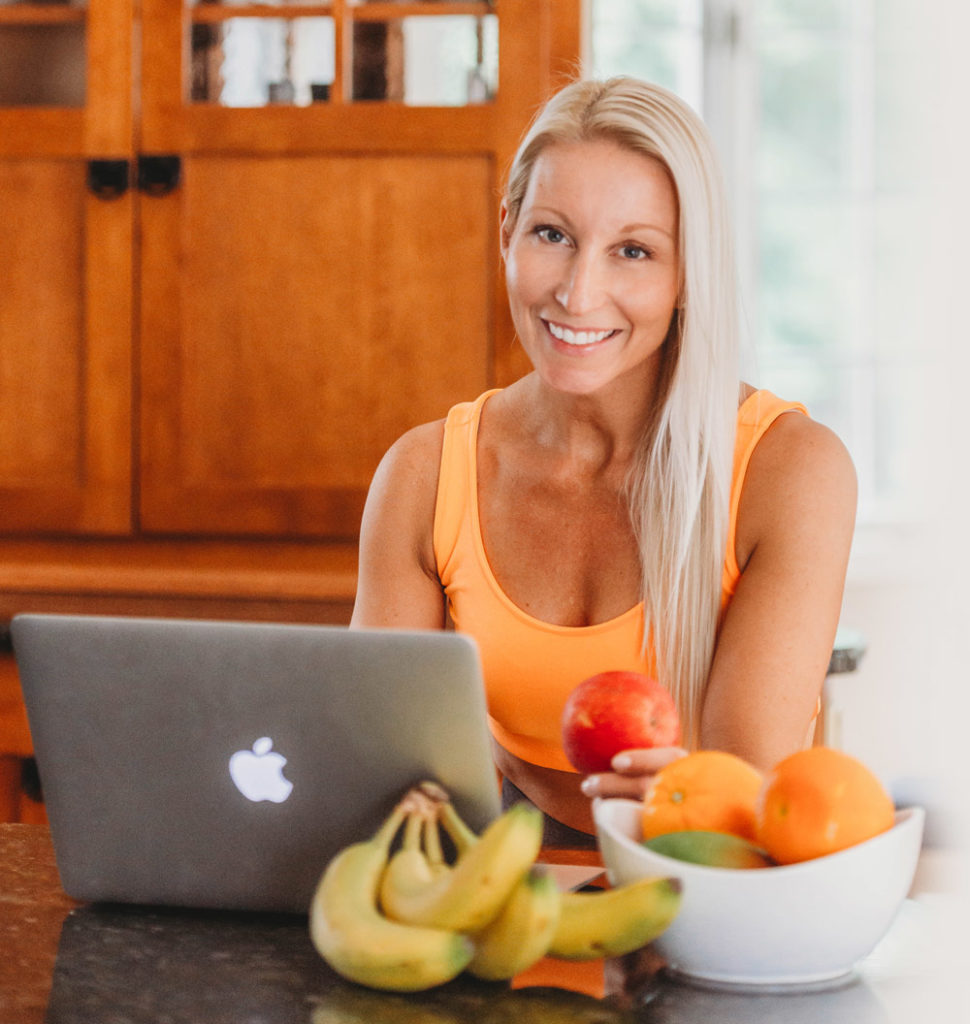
x=530 y=667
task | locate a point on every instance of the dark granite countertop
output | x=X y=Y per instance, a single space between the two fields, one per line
x=64 y=962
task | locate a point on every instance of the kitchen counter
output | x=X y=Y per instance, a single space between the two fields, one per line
x=65 y=962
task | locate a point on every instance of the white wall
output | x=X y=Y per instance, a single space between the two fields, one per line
x=906 y=712
x=891 y=708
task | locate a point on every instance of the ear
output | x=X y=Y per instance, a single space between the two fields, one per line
x=504 y=230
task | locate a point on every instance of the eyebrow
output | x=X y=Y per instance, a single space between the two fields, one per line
x=632 y=228
x=625 y=230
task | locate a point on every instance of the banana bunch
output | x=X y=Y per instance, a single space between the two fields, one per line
x=407 y=919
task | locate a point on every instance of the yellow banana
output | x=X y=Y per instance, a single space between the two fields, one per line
x=471 y=893
x=614 y=922
x=408 y=870
x=361 y=944
x=523 y=930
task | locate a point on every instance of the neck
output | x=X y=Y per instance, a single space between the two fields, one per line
x=602 y=429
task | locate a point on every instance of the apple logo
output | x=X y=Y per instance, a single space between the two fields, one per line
x=258 y=773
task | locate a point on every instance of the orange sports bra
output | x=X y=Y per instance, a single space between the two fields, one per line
x=530 y=667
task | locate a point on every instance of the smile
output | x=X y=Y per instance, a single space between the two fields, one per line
x=571 y=337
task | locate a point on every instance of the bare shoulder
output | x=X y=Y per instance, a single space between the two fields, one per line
x=800 y=482
x=414 y=457
x=798 y=450
x=397 y=582
x=403 y=491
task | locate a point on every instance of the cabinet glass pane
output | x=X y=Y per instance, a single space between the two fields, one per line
x=250 y=57
x=446 y=61
x=251 y=62
x=41 y=64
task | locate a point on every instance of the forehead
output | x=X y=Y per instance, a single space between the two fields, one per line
x=605 y=177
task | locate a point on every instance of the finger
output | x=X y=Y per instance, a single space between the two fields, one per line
x=609 y=785
x=645 y=761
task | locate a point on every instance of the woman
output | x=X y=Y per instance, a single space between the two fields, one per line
x=628 y=503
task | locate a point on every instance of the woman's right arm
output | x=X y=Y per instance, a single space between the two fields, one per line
x=397 y=582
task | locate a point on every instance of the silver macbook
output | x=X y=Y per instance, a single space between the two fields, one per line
x=221 y=764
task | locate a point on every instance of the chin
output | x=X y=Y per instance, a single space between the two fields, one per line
x=579 y=382
x=570 y=386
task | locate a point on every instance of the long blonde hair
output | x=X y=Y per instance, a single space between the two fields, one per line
x=679 y=488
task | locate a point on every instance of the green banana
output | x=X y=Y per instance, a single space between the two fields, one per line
x=523 y=930
x=362 y=945
x=617 y=921
x=469 y=895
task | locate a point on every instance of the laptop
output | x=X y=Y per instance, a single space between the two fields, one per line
x=222 y=764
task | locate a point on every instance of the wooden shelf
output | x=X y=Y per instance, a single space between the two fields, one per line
x=244 y=570
x=430 y=9
x=41 y=14
x=213 y=14
x=210 y=14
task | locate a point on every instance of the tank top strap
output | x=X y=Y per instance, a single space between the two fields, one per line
x=755 y=415
x=455 y=476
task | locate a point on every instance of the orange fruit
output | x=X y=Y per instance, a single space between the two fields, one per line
x=819 y=801
x=709 y=790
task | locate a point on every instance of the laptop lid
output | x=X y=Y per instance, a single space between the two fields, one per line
x=221 y=764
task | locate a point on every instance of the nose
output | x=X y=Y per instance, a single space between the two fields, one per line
x=582 y=284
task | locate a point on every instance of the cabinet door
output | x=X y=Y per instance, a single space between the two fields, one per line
x=326 y=272
x=65 y=301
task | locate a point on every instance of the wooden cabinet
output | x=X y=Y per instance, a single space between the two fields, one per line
x=230 y=355
x=66 y=304
x=218 y=311
x=273 y=383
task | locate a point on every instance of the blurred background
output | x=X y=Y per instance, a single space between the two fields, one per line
x=829 y=118
x=246 y=246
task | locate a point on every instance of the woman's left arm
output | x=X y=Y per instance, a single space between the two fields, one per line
x=794 y=532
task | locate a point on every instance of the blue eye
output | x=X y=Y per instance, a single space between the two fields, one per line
x=635 y=252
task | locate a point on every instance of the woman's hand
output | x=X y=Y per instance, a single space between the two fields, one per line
x=633 y=772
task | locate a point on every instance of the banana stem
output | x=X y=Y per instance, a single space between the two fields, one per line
x=434 y=791
x=416 y=805
x=386 y=833
x=461 y=834
x=432 y=842
x=412 y=832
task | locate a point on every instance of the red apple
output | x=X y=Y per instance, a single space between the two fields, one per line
x=614 y=711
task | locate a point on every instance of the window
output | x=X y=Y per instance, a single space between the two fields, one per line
x=810 y=105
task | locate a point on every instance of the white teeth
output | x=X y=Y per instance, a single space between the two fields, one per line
x=571 y=337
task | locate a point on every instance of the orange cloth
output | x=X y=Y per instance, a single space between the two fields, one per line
x=531 y=667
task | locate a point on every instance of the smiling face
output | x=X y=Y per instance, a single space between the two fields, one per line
x=592 y=264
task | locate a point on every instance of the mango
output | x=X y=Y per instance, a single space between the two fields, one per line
x=712 y=849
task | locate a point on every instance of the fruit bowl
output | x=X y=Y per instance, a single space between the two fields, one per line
x=801 y=925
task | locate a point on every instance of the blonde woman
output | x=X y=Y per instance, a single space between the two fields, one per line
x=629 y=503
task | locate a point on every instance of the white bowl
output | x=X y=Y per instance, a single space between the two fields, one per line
x=804 y=924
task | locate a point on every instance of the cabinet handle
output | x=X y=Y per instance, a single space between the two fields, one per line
x=159 y=175
x=108 y=179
